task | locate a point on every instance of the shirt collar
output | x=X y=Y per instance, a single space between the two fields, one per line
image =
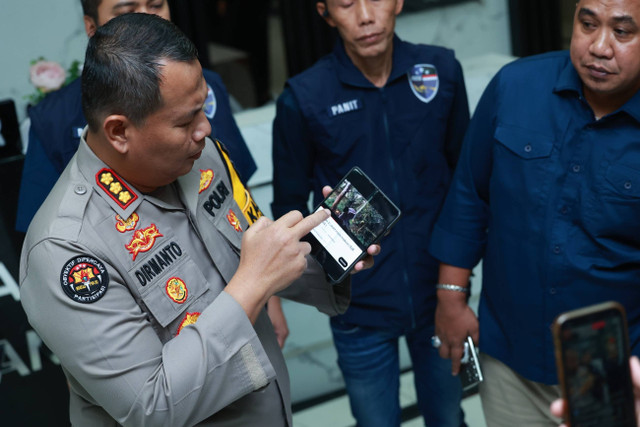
x=569 y=80
x=348 y=73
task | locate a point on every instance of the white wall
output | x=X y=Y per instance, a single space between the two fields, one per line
x=471 y=29
x=33 y=28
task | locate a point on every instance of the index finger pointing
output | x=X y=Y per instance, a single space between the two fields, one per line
x=307 y=224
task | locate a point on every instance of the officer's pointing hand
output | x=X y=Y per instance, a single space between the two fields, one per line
x=272 y=257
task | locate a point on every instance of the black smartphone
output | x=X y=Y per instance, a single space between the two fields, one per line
x=470 y=372
x=360 y=215
x=592 y=356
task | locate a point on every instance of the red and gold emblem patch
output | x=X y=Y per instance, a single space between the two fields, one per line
x=115 y=187
x=206 y=178
x=177 y=290
x=84 y=279
x=143 y=240
x=127 y=225
x=234 y=221
x=189 y=319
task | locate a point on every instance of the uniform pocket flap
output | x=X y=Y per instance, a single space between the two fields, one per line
x=524 y=143
x=624 y=179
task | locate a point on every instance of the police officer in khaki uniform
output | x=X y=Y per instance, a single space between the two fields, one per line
x=132 y=271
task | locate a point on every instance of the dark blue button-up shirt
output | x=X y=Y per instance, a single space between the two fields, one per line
x=549 y=197
x=331 y=118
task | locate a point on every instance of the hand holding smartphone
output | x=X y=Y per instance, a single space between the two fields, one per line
x=592 y=356
x=360 y=215
x=470 y=372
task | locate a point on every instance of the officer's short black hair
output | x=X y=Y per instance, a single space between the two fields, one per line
x=122 y=68
x=90 y=8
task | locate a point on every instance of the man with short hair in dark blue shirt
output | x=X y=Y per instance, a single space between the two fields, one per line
x=399 y=112
x=547 y=193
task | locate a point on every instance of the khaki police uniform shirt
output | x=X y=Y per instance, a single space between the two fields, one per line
x=127 y=290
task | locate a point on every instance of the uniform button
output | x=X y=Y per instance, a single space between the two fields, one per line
x=556 y=249
x=527 y=148
x=627 y=185
x=80 y=189
x=552 y=291
x=576 y=168
x=564 y=210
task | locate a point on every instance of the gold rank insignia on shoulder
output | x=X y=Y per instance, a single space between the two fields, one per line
x=189 y=319
x=115 y=187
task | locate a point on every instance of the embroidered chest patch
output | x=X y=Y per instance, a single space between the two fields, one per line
x=177 y=290
x=127 y=225
x=345 y=107
x=210 y=105
x=424 y=81
x=143 y=240
x=189 y=319
x=206 y=178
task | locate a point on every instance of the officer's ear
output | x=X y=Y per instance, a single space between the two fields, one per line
x=323 y=11
x=117 y=130
x=90 y=25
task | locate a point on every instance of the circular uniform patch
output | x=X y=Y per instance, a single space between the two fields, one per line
x=177 y=290
x=210 y=105
x=84 y=279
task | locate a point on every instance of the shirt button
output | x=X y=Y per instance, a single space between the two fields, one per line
x=564 y=210
x=527 y=148
x=552 y=291
x=80 y=189
x=556 y=249
x=627 y=185
x=576 y=168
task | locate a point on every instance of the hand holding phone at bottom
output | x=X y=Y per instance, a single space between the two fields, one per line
x=558 y=406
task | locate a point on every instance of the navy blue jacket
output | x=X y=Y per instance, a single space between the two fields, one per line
x=549 y=197
x=56 y=124
x=405 y=137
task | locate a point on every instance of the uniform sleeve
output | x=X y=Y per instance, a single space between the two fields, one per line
x=458 y=119
x=38 y=178
x=292 y=157
x=313 y=289
x=225 y=129
x=459 y=236
x=110 y=349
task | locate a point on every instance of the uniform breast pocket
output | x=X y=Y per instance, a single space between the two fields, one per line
x=522 y=163
x=617 y=207
x=171 y=293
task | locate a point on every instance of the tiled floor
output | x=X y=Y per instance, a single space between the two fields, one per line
x=336 y=412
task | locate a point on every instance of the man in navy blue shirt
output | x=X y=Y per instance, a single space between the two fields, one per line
x=57 y=122
x=547 y=193
x=399 y=112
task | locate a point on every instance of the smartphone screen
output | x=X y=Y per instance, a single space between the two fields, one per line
x=594 y=367
x=360 y=215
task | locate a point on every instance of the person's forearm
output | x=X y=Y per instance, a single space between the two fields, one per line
x=452 y=275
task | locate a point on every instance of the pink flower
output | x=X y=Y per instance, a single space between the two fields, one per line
x=47 y=75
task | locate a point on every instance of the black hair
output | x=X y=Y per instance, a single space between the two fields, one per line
x=90 y=8
x=122 y=67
